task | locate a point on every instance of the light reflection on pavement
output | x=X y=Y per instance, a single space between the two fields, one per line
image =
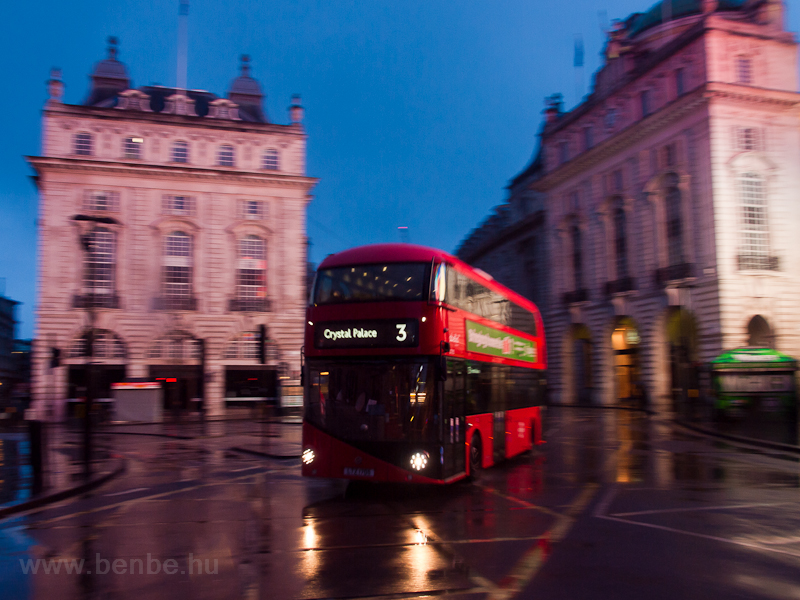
x=615 y=505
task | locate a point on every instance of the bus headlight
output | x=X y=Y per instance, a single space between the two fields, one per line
x=419 y=460
x=308 y=456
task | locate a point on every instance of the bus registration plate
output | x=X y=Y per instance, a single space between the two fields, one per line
x=359 y=472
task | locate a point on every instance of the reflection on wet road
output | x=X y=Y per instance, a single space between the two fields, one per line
x=615 y=505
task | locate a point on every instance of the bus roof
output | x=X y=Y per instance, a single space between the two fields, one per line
x=401 y=253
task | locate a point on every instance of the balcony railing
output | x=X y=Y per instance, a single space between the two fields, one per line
x=249 y=305
x=175 y=303
x=581 y=295
x=674 y=272
x=95 y=301
x=624 y=284
x=748 y=262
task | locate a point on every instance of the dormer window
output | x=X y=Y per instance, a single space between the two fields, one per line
x=132 y=147
x=180 y=152
x=83 y=144
x=610 y=118
x=744 y=70
x=563 y=149
x=269 y=161
x=680 y=83
x=588 y=138
x=225 y=156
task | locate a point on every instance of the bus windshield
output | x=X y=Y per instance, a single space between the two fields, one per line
x=371 y=283
x=373 y=400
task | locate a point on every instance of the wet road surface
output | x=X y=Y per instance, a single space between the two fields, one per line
x=615 y=505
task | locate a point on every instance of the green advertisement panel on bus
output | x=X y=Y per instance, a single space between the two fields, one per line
x=487 y=340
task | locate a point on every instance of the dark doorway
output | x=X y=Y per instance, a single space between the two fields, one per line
x=759 y=334
x=181 y=384
x=248 y=384
x=103 y=377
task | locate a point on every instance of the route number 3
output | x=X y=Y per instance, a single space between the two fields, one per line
x=401 y=332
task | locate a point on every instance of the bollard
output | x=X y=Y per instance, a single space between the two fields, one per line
x=37 y=446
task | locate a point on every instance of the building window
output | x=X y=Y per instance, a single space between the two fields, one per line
x=225 y=157
x=588 y=138
x=617 y=180
x=644 y=98
x=251 y=270
x=178 y=205
x=672 y=199
x=746 y=139
x=744 y=70
x=620 y=239
x=252 y=209
x=270 y=160
x=610 y=118
x=180 y=152
x=178 y=265
x=755 y=229
x=83 y=144
x=577 y=257
x=100 y=259
x=101 y=201
x=680 y=82
x=563 y=149
x=132 y=147
x=105 y=344
x=669 y=155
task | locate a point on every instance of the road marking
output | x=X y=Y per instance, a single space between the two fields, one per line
x=689 y=509
x=129 y=502
x=703 y=536
x=521 y=502
x=127 y=492
x=606 y=501
x=528 y=566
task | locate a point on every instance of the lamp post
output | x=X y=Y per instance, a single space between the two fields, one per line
x=86 y=224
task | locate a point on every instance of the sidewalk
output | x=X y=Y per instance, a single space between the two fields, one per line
x=63 y=474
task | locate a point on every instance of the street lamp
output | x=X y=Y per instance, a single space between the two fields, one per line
x=86 y=225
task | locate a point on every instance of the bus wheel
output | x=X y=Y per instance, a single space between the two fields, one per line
x=475 y=457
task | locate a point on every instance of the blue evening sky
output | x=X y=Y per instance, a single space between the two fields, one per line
x=418 y=112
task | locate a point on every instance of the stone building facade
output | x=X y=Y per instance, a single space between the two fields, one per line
x=671 y=203
x=171 y=227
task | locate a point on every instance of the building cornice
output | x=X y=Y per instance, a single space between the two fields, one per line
x=661 y=119
x=149 y=171
x=114 y=115
x=504 y=235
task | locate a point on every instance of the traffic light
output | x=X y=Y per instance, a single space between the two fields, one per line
x=262 y=344
x=55 y=357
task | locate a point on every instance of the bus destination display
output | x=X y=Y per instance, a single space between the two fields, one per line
x=385 y=333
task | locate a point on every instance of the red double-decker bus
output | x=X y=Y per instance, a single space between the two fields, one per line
x=418 y=368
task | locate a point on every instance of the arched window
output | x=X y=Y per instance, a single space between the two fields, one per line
x=132 y=147
x=98 y=343
x=620 y=239
x=83 y=144
x=672 y=200
x=178 y=271
x=270 y=160
x=98 y=278
x=577 y=257
x=225 y=156
x=251 y=269
x=754 y=252
x=176 y=345
x=180 y=152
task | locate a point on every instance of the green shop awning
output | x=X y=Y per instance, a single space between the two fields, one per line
x=755 y=359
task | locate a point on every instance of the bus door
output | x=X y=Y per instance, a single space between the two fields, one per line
x=454 y=422
x=498 y=405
